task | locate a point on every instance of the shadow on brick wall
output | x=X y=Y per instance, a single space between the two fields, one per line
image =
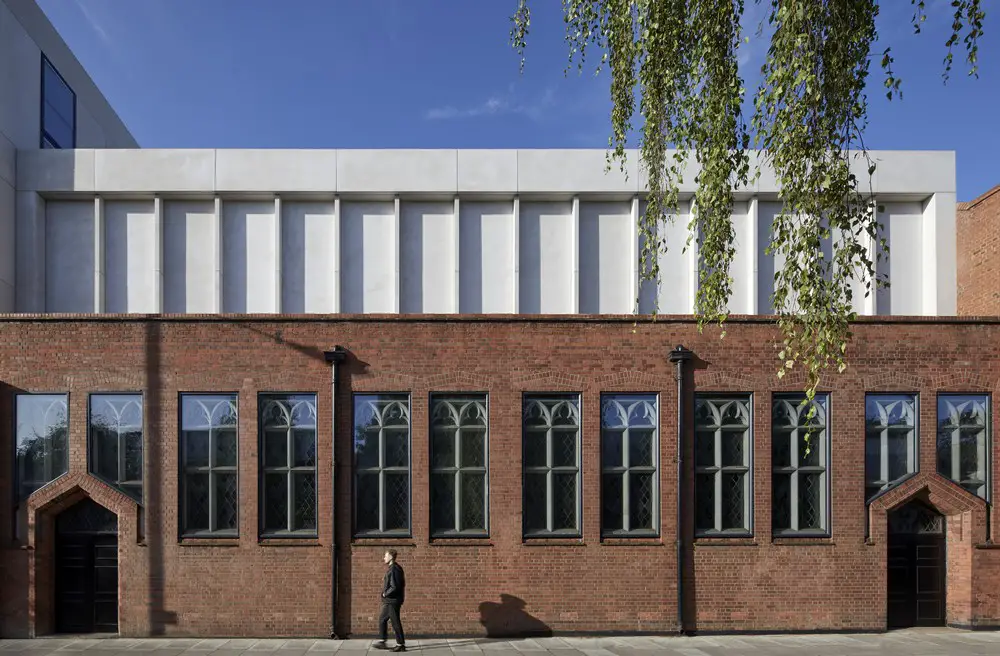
x=509 y=618
x=152 y=525
x=13 y=558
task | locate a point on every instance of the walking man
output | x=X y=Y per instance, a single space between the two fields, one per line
x=393 y=594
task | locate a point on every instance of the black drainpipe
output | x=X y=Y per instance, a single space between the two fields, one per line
x=335 y=357
x=679 y=356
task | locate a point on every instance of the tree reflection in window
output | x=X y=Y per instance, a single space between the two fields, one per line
x=210 y=485
x=458 y=465
x=890 y=440
x=629 y=460
x=116 y=441
x=42 y=440
x=382 y=464
x=551 y=465
x=288 y=464
x=963 y=440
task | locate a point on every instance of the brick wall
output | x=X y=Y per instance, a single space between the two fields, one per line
x=978 y=237
x=247 y=586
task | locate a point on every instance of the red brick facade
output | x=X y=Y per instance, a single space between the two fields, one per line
x=248 y=586
x=978 y=235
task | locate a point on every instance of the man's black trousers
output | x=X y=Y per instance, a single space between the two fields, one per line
x=390 y=611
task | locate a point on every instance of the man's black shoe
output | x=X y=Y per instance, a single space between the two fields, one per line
x=399 y=648
x=380 y=645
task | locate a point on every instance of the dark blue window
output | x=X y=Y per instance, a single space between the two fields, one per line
x=58 y=109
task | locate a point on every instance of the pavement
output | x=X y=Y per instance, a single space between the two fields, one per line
x=912 y=642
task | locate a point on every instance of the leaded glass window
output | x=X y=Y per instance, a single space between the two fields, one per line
x=459 y=450
x=287 y=428
x=209 y=452
x=963 y=444
x=890 y=440
x=382 y=464
x=551 y=457
x=800 y=452
x=629 y=461
x=42 y=422
x=116 y=441
x=723 y=499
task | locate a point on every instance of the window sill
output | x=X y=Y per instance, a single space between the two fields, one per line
x=637 y=541
x=209 y=542
x=384 y=541
x=553 y=542
x=988 y=545
x=268 y=541
x=735 y=541
x=462 y=542
x=803 y=541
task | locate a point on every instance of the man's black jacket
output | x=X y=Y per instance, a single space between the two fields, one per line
x=394 y=585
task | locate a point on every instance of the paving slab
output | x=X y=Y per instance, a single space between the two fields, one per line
x=916 y=642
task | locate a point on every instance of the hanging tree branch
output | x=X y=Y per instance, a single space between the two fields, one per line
x=680 y=57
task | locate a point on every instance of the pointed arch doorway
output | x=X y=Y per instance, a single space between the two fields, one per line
x=86 y=569
x=916 y=567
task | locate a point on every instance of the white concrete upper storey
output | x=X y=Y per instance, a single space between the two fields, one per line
x=46 y=99
x=415 y=231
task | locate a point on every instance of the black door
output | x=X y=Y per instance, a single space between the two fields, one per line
x=87 y=569
x=916 y=567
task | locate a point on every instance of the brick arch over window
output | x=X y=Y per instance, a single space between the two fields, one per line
x=965 y=380
x=893 y=381
x=43 y=507
x=724 y=381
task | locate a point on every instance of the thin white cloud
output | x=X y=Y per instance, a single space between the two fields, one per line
x=495 y=105
x=94 y=22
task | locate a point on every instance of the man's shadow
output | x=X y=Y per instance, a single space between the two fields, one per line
x=509 y=619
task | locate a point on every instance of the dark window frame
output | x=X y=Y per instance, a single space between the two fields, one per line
x=718 y=470
x=92 y=454
x=44 y=135
x=355 y=472
x=827 y=457
x=210 y=469
x=549 y=469
x=289 y=470
x=627 y=469
x=988 y=439
x=16 y=480
x=459 y=469
x=913 y=444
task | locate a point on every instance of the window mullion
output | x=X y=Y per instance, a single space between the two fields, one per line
x=289 y=487
x=981 y=454
x=457 y=482
x=793 y=500
x=549 y=494
x=956 y=453
x=212 y=519
x=381 y=481
x=884 y=456
x=121 y=455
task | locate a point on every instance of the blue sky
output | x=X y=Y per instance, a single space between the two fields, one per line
x=440 y=74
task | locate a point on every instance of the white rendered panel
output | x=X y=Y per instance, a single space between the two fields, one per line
x=130 y=255
x=69 y=256
x=605 y=258
x=368 y=264
x=248 y=257
x=309 y=242
x=671 y=294
x=189 y=257
x=486 y=257
x=902 y=227
x=427 y=257
x=547 y=254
